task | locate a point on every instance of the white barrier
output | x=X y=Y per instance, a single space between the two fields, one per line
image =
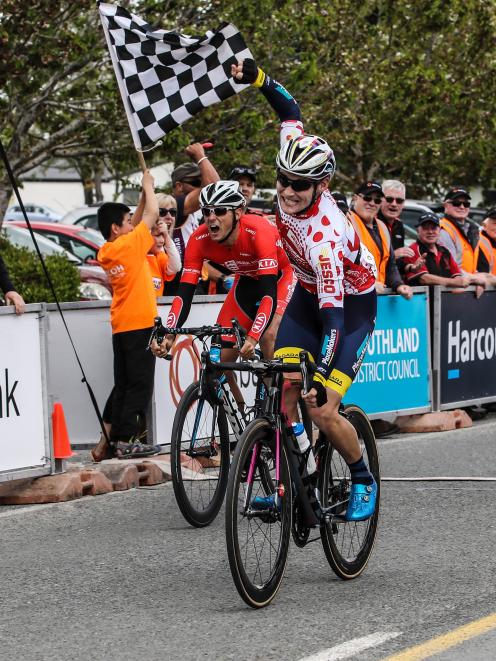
x=25 y=442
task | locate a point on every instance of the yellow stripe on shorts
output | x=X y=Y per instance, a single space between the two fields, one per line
x=291 y=354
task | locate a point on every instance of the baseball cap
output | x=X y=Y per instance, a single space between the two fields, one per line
x=243 y=171
x=341 y=201
x=456 y=191
x=184 y=172
x=428 y=217
x=369 y=188
x=491 y=213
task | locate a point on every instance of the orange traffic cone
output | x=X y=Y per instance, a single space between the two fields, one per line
x=61 y=443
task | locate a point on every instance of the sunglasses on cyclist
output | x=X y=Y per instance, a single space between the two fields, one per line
x=398 y=200
x=371 y=198
x=163 y=212
x=460 y=203
x=218 y=211
x=298 y=185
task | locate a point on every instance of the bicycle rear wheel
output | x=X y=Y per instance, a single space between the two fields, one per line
x=199 y=457
x=257 y=541
x=348 y=544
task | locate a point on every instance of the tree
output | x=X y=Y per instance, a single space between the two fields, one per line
x=401 y=88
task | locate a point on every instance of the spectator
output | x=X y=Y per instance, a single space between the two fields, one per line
x=374 y=235
x=486 y=248
x=390 y=213
x=431 y=263
x=10 y=295
x=133 y=309
x=163 y=259
x=247 y=178
x=341 y=201
x=187 y=181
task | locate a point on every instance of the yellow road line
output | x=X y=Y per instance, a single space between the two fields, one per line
x=445 y=642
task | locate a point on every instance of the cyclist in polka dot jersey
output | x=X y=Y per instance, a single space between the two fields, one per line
x=332 y=311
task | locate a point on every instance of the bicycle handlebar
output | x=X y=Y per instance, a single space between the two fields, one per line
x=160 y=331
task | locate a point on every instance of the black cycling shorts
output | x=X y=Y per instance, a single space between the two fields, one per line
x=301 y=330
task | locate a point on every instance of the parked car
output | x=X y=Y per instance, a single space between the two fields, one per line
x=82 y=242
x=412 y=212
x=34 y=212
x=85 y=217
x=94 y=282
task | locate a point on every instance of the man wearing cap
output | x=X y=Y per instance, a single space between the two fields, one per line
x=375 y=236
x=485 y=253
x=458 y=235
x=247 y=178
x=187 y=181
x=431 y=263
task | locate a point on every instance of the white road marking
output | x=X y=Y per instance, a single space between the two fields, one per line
x=352 y=647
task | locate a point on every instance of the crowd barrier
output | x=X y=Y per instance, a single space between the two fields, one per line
x=38 y=367
x=25 y=434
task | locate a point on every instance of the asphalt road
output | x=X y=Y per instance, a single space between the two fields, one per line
x=123 y=577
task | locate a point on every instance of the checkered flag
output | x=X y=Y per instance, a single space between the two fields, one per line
x=166 y=77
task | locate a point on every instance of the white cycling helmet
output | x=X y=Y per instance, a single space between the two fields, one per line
x=307 y=156
x=222 y=194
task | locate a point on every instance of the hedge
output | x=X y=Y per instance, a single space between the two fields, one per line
x=28 y=277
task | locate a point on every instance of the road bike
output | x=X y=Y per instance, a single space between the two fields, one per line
x=206 y=427
x=268 y=462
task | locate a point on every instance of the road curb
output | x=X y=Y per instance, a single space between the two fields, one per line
x=93 y=480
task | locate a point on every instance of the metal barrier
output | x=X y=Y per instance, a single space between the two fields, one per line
x=395 y=378
x=25 y=433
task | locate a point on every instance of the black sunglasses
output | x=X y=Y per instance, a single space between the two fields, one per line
x=298 y=185
x=460 y=203
x=371 y=198
x=398 y=200
x=218 y=211
x=163 y=212
x=196 y=183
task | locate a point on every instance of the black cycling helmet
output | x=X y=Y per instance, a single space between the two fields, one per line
x=243 y=171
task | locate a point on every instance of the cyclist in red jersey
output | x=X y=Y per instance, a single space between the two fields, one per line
x=250 y=247
x=332 y=311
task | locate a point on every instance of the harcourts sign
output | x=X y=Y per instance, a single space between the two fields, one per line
x=467 y=347
x=394 y=375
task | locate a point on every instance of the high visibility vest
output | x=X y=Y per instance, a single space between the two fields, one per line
x=381 y=259
x=469 y=263
x=486 y=247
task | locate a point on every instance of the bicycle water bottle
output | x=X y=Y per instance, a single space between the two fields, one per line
x=304 y=445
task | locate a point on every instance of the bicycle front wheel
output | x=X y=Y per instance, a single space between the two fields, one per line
x=199 y=457
x=258 y=537
x=348 y=544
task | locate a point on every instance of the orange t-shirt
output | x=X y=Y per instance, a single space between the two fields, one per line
x=134 y=305
x=158 y=267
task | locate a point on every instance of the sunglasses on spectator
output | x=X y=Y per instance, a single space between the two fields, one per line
x=298 y=185
x=163 y=212
x=371 y=198
x=218 y=211
x=196 y=183
x=460 y=203
x=398 y=200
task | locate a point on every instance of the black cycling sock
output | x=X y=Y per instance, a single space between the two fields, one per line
x=360 y=474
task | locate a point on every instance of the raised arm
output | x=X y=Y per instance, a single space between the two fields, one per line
x=280 y=99
x=208 y=175
x=150 y=212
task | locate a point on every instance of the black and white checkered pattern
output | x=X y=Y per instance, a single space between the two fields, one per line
x=166 y=77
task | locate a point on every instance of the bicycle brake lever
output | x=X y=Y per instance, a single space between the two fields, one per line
x=304 y=371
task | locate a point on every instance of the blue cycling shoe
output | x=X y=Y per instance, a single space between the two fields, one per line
x=362 y=501
x=261 y=503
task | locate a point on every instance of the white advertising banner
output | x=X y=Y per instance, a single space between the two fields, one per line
x=22 y=417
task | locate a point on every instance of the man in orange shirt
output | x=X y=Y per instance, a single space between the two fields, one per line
x=133 y=309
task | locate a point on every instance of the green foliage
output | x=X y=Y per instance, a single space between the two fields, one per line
x=29 y=279
x=399 y=88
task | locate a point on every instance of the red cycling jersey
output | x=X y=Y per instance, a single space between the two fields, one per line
x=257 y=252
